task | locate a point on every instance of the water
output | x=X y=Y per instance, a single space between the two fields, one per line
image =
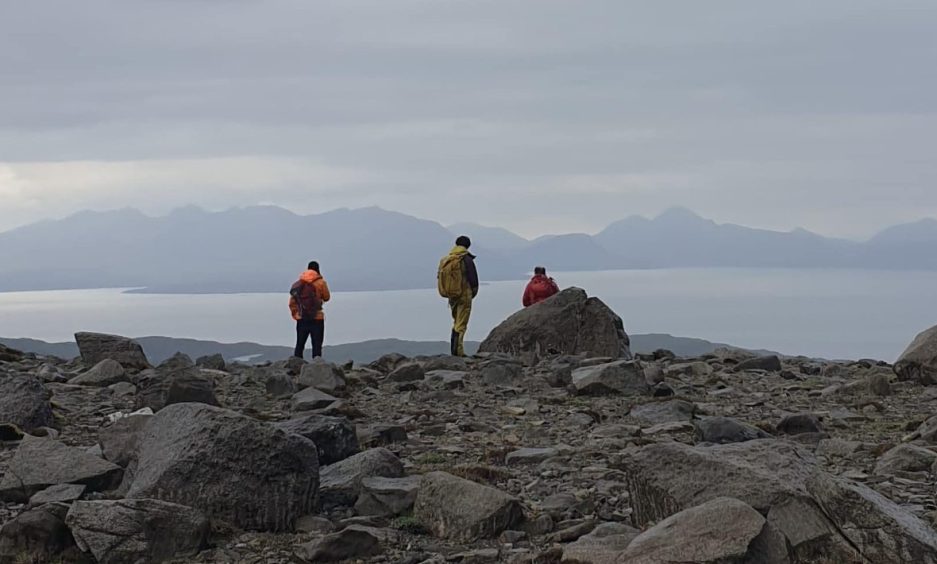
x=829 y=313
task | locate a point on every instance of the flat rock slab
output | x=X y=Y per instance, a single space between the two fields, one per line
x=623 y=377
x=104 y=373
x=341 y=482
x=311 y=399
x=387 y=496
x=62 y=493
x=718 y=531
x=458 y=509
x=230 y=466
x=41 y=462
x=137 y=530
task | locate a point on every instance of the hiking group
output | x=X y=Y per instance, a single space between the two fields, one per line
x=457 y=281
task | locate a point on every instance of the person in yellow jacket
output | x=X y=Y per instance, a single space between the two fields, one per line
x=458 y=282
x=306 y=298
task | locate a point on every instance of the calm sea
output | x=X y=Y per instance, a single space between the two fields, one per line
x=829 y=313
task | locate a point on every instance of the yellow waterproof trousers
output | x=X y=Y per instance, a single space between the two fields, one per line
x=461 y=311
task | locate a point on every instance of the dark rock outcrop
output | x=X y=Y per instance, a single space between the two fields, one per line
x=335 y=437
x=568 y=323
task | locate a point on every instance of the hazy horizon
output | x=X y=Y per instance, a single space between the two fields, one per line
x=679 y=209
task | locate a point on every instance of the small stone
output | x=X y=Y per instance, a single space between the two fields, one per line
x=323 y=376
x=348 y=544
x=530 y=456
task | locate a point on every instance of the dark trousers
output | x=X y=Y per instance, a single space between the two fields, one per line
x=306 y=329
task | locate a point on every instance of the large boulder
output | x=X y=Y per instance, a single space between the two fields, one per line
x=919 y=361
x=720 y=531
x=458 y=509
x=24 y=402
x=42 y=462
x=568 y=323
x=817 y=513
x=175 y=383
x=323 y=376
x=230 y=466
x=335 y=437
x=905 y=458
x=95 y=347
x=341 y=482
x=137 y=530
x=119 y=440
x=104 y=373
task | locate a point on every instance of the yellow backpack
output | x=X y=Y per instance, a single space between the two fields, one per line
x=450 y=279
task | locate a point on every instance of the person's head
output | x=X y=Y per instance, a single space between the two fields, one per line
x=313 y=265
x=539 y=270
x=463 y=241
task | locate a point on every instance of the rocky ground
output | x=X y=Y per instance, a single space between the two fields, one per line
x=527 y=456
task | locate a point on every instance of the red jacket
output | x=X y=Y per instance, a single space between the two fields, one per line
x=538 y=289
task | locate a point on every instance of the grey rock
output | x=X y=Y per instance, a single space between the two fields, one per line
x=769 y=363
x=905 y=458
x=602 y=546
x=568 y=323
x=314 y=524
x=409 y=372
x=697 y=369
x=335 y=437
x=137 y=531
x=279 y=384
x=816 y=512
x=388 y=363
x=447 y=379
x=381 y=434
x=716 y=532
x=230 y=466
x=104 y=373
x=178 y=361
x=878 y=385
x=443 y=362
x=501 y=373
x=62 y=493
x=348 y=544
x=174 y=383
x=119 y=440
x=525 y=456
x=311 y=399
x=919 y=361
x=724 y=430
x=385 y=497
x=621 y=377
x=323 y=376
x=24 y=402
x=800 y=423
x=95 y=347
x=42 y=462
x=664 y=411
x=212 y=362
x=38 y=535
x=458 y=509
x=341 y=482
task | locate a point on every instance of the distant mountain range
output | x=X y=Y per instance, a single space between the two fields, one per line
x=158 y=349
x=261 y=249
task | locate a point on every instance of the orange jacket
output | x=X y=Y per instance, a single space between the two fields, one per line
x=322 y=290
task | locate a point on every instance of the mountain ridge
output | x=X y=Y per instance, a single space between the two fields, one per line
x=261 y=249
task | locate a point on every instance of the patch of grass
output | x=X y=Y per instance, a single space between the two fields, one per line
x=409 y=524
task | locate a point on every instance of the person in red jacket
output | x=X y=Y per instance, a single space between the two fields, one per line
x=539 y=288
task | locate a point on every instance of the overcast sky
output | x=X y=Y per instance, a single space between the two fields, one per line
x=538 y=115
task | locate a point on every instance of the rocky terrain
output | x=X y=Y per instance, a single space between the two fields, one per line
x=553 y=444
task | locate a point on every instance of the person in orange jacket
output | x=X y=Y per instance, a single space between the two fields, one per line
x=306 y=298
x=539 y=288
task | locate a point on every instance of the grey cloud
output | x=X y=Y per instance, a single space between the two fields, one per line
x=557 y=115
